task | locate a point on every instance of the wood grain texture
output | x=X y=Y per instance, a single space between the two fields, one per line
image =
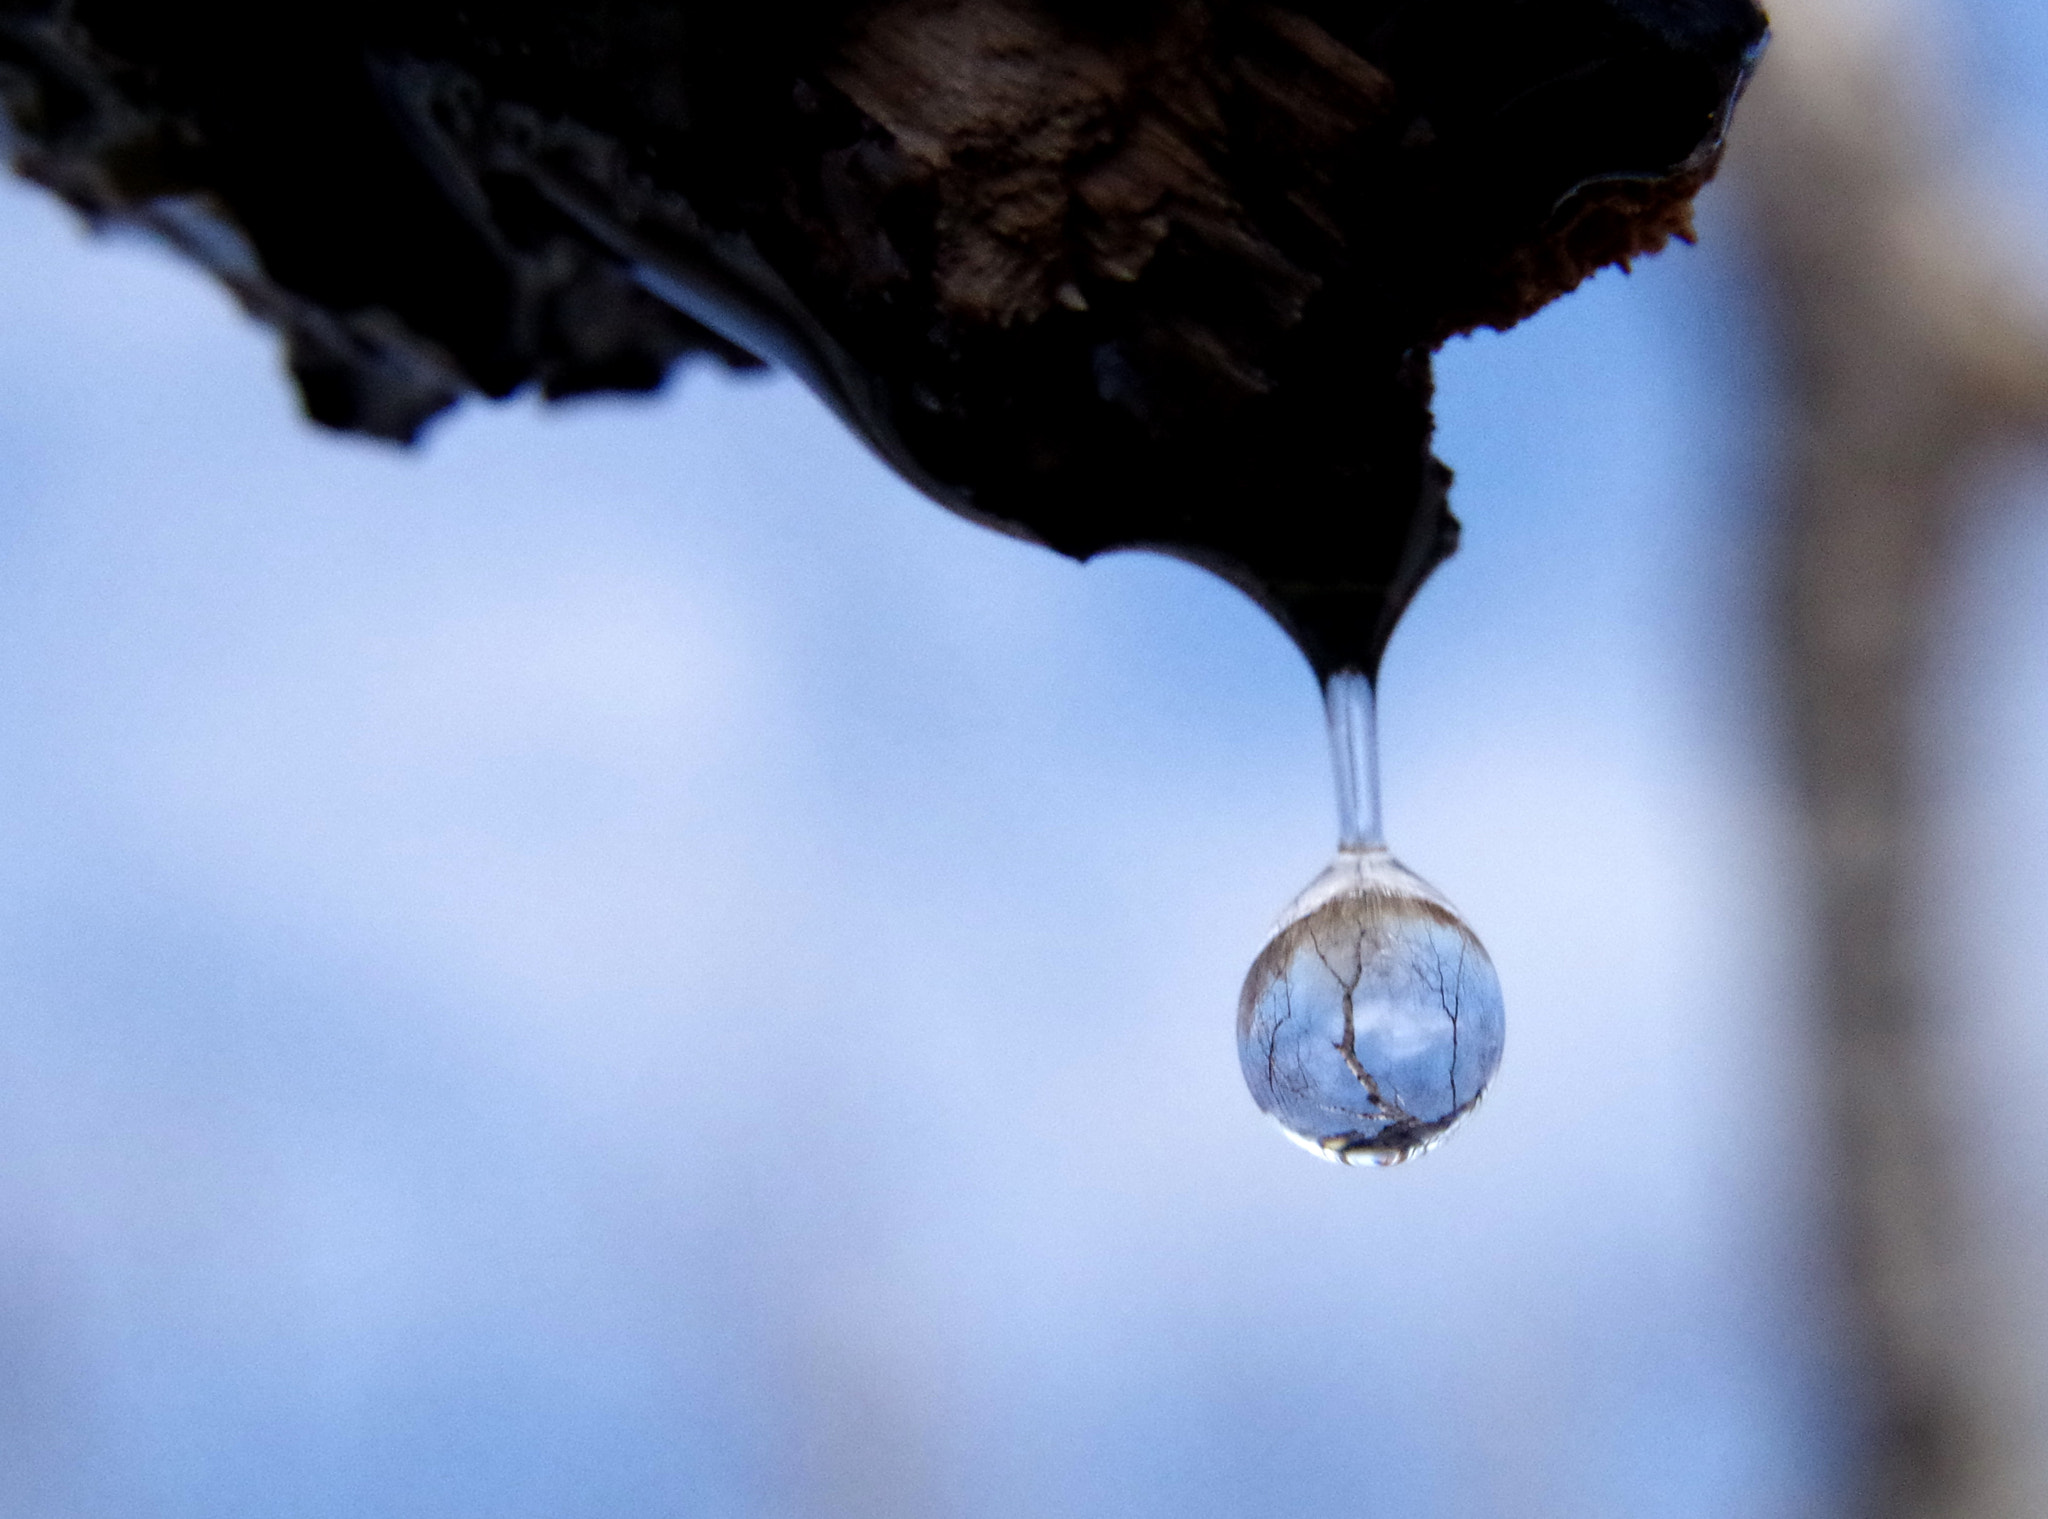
x=1163 y=275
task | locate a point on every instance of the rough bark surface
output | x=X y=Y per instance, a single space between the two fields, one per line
x=1103 y=275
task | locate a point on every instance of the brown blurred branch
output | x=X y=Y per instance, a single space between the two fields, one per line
x=1909 y=346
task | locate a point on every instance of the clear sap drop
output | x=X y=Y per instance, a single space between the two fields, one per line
x=1372 y=1020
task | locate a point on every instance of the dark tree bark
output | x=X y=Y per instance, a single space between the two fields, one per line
x=1161 y=273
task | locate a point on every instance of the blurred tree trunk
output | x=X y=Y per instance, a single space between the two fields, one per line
x=1905 y=351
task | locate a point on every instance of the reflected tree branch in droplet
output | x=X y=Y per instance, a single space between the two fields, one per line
x=1273 y=1028
x=1347 y=1044
x=1450 y=995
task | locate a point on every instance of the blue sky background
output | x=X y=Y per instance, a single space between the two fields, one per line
x=622 y=961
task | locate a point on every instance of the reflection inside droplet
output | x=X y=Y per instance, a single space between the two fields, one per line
x=1372 y=1020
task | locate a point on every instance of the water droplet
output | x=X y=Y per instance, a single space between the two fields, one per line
x=1372 y=1021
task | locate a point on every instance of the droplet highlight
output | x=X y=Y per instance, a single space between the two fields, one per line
x=1372 y=1021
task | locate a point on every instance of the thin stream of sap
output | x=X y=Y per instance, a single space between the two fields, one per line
x=1355 y=754
x=1372 y=1021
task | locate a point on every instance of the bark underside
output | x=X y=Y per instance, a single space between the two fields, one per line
x=1101 y=275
